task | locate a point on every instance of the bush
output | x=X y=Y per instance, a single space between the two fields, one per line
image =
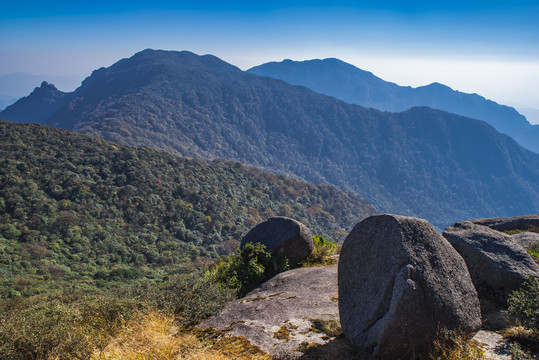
x=524 y=304
x=517 y=353
x=189 y=298
x=322 y=252
x=533 y=250
x=44 y=330
x=60 y=327
x=246 y=270
x=73 y=326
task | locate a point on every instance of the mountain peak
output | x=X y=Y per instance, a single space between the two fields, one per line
x=46 y=86
x=174 y=59
x=39 y=106
x=439 y=85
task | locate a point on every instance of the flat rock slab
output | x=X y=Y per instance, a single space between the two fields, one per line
x=510 y=223
x=277 y=315
x=494 y=345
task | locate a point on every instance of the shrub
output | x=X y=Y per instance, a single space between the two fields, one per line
x=189 y=298
x=517 y=353
x=247 y=269
x=61 y=327
x=192 y=298
x=524 y=304
x=44 y=330
x=73 y=326
x=533 y=250
x=322 y=252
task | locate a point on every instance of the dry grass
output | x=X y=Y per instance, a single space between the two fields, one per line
x=453 y=346
x=518 y=332
x=330 y=327
x=527 y=338
x=155 y=337
x=531 y=228
x=322 y=254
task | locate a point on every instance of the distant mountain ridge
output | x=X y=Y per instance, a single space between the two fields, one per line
x=40 y=105
x=16 y=85
x=346 y=82
x=421 y=162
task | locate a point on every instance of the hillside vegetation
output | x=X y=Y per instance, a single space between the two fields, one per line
x=84 y=211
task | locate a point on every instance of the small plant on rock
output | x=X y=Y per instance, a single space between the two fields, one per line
x=249 y=268
x=517 y=353
x=451 y=345
x=322 y=252
x=524 y=304
x=533 y=250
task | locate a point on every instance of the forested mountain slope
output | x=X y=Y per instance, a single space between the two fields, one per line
x=73 y=207
x=346 y=82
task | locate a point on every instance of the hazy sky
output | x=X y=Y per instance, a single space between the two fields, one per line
x=488 y=47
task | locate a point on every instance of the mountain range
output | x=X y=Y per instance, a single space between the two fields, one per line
x=420 y=162
x=346 y=82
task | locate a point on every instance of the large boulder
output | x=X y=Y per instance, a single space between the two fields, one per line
x=497 y=262
x=400 y=283
x=284 y=237
x=278 y=316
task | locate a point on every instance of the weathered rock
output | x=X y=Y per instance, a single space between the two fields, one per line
x=497 y=263
x=526 y=239
x=400 y=282
x=284 y=237
x=278 y=315
x=494 y=345
x=510 y=223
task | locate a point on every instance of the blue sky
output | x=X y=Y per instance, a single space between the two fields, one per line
x=487 y=47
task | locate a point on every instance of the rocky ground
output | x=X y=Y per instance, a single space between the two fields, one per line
x=281 y=314
x=284 y=315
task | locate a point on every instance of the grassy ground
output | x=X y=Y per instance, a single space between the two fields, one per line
x=156 y=336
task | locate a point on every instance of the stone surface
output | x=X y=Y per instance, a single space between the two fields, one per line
x=496 y=261
x=283 y=237
x=493 y=344
x=510 y=223
x=400 y=282
x=526 y=239
x=277 y=316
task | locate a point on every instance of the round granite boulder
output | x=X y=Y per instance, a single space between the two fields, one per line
x=284 y=237
x=400 y=283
